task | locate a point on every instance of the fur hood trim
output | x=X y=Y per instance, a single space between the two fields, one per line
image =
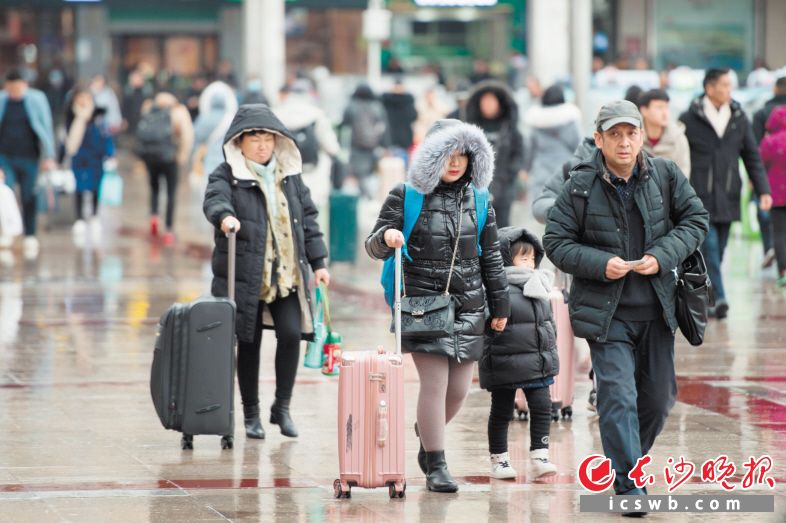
x=445 y=137
x=541 y=117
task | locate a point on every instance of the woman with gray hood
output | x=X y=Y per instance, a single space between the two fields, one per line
x=554 y=135
x=454 y=160
x=217 y=107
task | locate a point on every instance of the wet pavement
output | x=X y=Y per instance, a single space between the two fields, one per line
x=80 y=441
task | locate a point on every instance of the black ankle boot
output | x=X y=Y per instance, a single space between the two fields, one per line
x=421 y=451
x=438 y=479
x=254 y=428
x=279 y=415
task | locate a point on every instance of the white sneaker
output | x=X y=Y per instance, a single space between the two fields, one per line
x=30 y=247
x=79 y=228
x=501 y=467
x=541 y=466
x=95 y=230
x=6 y=241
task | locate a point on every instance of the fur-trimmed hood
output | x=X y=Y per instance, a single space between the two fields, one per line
x=445 y=137
x=509 y=109
x=259 y=117
x=510 y=235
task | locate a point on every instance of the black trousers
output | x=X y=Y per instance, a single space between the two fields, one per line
x=502 y=400
x=169 y=171
x=286 y=319
x=778 y=217
x=79 y=203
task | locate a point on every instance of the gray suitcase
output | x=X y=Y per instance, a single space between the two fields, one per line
x=192 y=381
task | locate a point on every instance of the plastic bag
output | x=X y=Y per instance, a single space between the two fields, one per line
x=111 y=190
x=314 y=349
x=10 y=217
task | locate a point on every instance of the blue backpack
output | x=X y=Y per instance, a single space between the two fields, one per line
x=413 y=203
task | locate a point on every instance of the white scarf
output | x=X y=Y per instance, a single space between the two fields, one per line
x=537 y=283
x=719 y=118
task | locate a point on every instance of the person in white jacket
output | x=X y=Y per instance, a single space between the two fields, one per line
x=314 y=135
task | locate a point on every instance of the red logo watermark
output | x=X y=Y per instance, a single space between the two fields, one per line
x=596 y=473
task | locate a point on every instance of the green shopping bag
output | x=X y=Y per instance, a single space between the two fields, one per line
x=313 y=359
x=111 y=190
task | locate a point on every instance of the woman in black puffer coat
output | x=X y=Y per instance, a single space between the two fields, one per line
x=453 y=157
x=523 y=356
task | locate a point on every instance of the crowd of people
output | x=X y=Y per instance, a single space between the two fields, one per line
x=267 y=171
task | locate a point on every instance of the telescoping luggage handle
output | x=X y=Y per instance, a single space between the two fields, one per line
x=232 y=237
x=397 y=301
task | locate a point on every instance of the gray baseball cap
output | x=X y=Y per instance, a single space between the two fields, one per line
x=619 y=111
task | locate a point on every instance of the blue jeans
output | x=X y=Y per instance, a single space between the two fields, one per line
x=637 y=387
x=765 y=225
x=713 y=248
x=24 y=171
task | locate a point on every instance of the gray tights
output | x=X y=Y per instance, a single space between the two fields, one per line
x=444 y=383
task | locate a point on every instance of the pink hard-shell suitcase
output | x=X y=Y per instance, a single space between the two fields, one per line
x=562 y=390
x=371 y=416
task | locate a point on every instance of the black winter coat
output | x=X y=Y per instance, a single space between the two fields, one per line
x=233 y=190
x=714 y=162
x=503 y=134
x=527 y=349
x=584 y=251
x=401 y=115
x=434 y=235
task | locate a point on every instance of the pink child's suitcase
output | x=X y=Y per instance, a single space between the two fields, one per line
x=371 y=416
x=562 y=390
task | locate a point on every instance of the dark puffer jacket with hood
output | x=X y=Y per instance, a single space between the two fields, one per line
x=527 y=349
x=233 y=190
x=503 y=134
x=434 y=235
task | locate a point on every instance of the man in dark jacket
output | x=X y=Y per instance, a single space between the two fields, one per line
x=492 y=108
x=719 y=135
x=400 y=106
x=608 y=229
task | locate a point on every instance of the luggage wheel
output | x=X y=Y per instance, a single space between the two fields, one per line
x=227 y=442
x=567 y=412
x=554 y=413
x=521 y=415
x=397 y=490
x=341 y=490
x=187 y=442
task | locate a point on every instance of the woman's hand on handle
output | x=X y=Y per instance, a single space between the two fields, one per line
x=322 y=276
x=394 y=238
x=230 y=224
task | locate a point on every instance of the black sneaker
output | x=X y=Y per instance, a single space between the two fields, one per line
x=721 y=310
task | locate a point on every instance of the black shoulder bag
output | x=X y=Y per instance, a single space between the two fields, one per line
x=431 y=316
x=694 y=288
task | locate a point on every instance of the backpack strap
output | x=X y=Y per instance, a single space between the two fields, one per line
x=664 y=183
x=413 y=204
x=481 y=211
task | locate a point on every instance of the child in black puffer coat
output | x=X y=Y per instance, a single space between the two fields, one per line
x=523 y=356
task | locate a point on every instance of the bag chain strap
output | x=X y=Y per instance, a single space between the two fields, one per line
x=455 y=250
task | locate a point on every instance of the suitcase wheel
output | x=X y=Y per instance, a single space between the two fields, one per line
x=521 y=415
x=227 y=442
x=567 y=412
x=187 y=442
x=341 y=491
x=396 y=490
x=554 y=413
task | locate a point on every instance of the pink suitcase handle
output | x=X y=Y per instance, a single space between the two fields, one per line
x=382 y=424
x=397 y=302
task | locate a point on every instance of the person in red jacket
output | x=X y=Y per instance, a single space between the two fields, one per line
x=773 y=154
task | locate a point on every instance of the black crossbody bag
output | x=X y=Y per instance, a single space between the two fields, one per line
x=431 y=316
x=694 y=288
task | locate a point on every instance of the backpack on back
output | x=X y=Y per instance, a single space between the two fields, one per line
x=368 y=128
x=155 y=137
x=413 y=204
x=306 y=140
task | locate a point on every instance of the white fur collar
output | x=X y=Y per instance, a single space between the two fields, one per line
x=551 y=116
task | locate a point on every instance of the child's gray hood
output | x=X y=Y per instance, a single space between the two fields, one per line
x=445 y=137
